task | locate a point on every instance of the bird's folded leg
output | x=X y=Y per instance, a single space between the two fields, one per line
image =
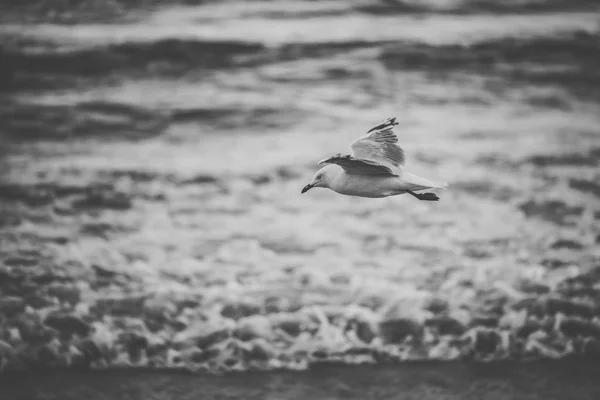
x=424 y=196
x=429 y=196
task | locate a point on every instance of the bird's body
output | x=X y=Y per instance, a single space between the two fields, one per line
x=376 y=169
x=379 y=186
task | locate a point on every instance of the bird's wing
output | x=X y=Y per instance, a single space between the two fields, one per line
x=355 y=166
x=379 y=145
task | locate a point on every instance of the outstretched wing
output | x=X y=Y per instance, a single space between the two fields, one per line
x=379 y=145
x=355 y=166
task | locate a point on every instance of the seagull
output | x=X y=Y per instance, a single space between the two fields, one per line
x=375 y=169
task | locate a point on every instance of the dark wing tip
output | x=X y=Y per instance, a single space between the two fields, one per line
x=387 y=123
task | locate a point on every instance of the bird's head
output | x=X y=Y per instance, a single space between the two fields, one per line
x=323 y=178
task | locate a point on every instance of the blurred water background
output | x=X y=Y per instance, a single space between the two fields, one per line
x=153 y=154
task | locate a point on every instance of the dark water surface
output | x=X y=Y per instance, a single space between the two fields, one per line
x=560 y=380
x=152 y=159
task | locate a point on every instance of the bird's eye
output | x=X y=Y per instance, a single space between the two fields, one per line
x=319 y=176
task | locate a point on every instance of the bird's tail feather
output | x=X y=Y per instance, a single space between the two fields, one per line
x=419 y=183
x=442 y=185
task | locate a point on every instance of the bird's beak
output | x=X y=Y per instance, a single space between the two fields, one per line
x=307 y=188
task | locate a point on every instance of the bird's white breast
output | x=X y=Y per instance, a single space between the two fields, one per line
x=365 y=186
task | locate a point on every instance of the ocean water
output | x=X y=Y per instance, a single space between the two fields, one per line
x=153 y=154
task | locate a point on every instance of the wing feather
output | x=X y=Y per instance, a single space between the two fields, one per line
x=355 y=166
x=380 y=146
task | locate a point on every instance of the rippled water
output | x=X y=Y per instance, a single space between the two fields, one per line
x=153 y=159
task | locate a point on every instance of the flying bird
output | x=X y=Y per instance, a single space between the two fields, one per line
x=375 y=169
